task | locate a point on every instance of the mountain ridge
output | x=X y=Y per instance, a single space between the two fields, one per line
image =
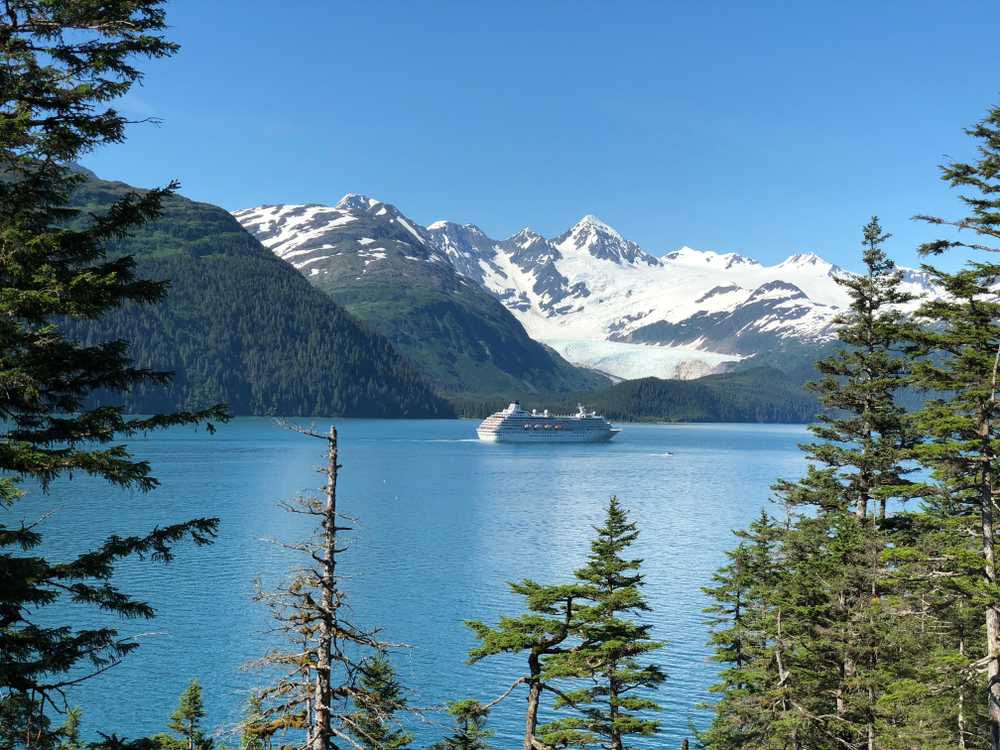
x=589 y=294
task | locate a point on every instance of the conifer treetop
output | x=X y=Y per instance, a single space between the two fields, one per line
x=983 y=176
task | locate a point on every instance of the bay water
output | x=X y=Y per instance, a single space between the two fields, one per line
x=444 y=522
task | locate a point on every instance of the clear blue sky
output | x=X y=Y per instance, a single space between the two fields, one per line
x=757 y=127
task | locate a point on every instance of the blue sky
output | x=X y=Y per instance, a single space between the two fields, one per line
x=763 y=128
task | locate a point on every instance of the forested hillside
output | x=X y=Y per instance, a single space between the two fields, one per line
x=763 y=394
x=242 y=327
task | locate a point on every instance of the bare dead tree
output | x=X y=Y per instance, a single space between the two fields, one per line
x=319 y=673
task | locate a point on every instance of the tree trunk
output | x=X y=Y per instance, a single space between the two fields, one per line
x=961 y=700
x=534 y=694
x=989 y=576
x=871 y=718
x=840 y=690
x=616 y=737
x=322 y=734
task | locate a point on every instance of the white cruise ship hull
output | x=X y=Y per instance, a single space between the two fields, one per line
x=546 y=436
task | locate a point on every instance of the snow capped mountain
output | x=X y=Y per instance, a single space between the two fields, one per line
x=599 y=299
x=594 y=237
x=592 y=285
x=307 y=235
x=687 y=256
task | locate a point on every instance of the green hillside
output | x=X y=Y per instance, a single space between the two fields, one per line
x=242 y=327
x=460 y=337
x=763 y=394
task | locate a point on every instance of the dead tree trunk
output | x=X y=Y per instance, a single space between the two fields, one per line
x=321 y=735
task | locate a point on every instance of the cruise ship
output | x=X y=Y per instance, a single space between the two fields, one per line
x=515 y=425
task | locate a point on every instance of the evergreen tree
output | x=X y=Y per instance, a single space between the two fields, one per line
x=64 y=61
x=612 y=709
x=470 y=731
x=963 y=446
x=373 y=724
x=862 y=450
x=750 y=642
x=964 y=451
x=185 y=723
x=69 y=733
x=553 y=617
x=820 y=633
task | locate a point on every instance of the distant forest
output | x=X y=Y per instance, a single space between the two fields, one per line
x=762 y=394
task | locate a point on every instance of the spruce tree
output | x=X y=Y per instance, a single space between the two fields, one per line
x=373 y=725
x=470 y=732
x=65 y=61
x=185 y=723
x=962 y=333
x=820 y=629
x=553 y=617
x=963 y=446
x=618 y=703
x=863 y=447
x=747 y=641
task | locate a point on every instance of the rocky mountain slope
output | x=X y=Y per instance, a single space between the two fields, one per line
x=388 y=270
x=590 y=294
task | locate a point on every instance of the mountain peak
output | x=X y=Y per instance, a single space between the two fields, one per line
x=592 y=222
x=357 y=202
x=525 y=238
x=804 y=259
x=592 y=236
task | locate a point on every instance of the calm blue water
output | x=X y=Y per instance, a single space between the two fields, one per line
x=445 y=521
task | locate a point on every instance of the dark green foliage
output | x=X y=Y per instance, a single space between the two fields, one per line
x=983 y=177
x=63 y=62
x=185 y=723
x=584 y=632
x=963 y=448
x=818 y=634
x=553 y=617
x=470 y=732
x=762 y=395
x=460 y=337
x=381 y=695
x=618 y=702
x=864 y=444
x=961 y=452
x=243 y=326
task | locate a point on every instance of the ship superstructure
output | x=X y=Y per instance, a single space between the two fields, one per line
x=515 y=425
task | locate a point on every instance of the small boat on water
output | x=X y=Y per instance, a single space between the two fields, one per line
x=515 y=425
